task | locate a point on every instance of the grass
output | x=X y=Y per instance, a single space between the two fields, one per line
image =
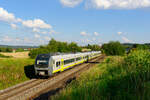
x=3 y=56
x=14 y=71
x=117 y=78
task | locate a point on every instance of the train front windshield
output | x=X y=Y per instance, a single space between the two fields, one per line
x=42 y=60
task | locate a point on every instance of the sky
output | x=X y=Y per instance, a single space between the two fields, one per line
x=35 y=22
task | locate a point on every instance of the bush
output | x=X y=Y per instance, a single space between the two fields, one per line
x=93 y=47
x=127 y=80
x=6 y=49
x=20 y=50
x=33 y=53
x=113 y=48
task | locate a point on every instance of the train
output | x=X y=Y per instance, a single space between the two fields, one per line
x=49 y=64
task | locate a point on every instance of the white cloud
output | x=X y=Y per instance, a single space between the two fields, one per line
x=35 y=30
x=13 y=26
x=13 y=21
x=119 y=33
x=70 y=3
x=7 y=39
x=118 y=4
x=125 y=39
x=36 y=23
x=18 y=39
x=47 y=38
x=7 y=17
x=26 y=40
x=96 y=33
x=44 y=32
x=83 y=33
x=37 y=36
x=53 y=31
x=93 y=39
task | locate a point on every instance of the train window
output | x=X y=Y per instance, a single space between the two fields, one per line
x=57 y=64
x=68 y=61
x=79 y=58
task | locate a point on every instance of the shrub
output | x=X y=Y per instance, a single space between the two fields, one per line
x=6 y=49
x=113 y=48
x=128 y=79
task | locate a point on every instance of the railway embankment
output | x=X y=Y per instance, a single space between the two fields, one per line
x=116 y=78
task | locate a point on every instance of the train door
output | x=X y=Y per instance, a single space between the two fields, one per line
x=58 y=65
x=87 y=58
x=62 y=65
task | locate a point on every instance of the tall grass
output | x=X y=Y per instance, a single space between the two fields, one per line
x=12 y=71
x=116 y=78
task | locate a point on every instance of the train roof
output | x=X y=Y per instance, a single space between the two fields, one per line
x=64 y=55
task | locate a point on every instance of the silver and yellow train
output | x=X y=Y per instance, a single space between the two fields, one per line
x=48 y=64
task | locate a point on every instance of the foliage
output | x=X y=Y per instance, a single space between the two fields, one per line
x=93 y=47
x=113 y=48
x=12 y=71
x=141 y=46
x=5 y=49
x=19 y=50
x=55 y=46
x=116 y=78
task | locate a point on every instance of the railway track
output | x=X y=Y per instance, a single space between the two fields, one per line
x=35 y=87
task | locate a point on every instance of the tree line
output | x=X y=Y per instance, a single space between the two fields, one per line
x=5 y=49
x=116 y=48
x=61 y=47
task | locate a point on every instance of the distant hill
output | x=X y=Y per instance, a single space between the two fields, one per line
x=15 y=47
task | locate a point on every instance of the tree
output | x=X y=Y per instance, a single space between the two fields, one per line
x=113 y=48
x=93 y=47
x=55 y=46
x=73 y=47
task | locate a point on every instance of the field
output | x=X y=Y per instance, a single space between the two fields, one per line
x=117 y=78
x=14 y=71
x=17 y=54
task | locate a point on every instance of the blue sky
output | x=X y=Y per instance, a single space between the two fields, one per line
x=35 y=22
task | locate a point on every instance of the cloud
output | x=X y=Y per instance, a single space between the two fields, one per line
x=13 y=26
x=47 y=38
x=53 y=31
x=93 y=39
x=7 y=39
x=7 y=17
x=13 y=21
x=83 y=33
x=35 y=30
x=36 y=23
x=119 y=33
x=70 y=3
x=118 y=4
x=37 y=36
x=125 y=39
x=44 y=32
x=96 y=33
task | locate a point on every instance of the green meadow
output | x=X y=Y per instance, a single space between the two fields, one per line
x=15 y=70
